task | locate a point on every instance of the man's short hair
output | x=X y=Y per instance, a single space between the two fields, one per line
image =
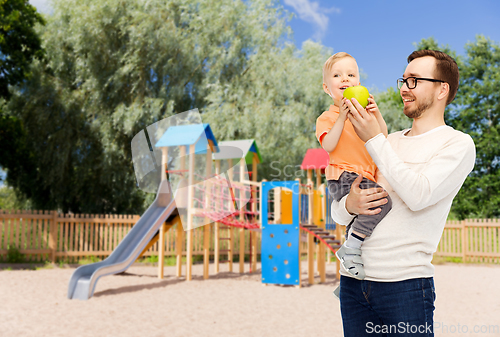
x=334 y=59
x=446 y=69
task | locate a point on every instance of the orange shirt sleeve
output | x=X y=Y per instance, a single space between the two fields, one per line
x=324 y=123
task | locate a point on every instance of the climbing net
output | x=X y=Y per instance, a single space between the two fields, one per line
x=229 y=202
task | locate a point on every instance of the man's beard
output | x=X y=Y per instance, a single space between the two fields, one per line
x=419 y=109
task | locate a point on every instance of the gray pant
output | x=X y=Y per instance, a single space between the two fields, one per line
x=364 y=224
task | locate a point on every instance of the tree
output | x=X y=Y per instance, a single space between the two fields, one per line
x=391 y=107
x=476 y=111
x=276 y=101
x=19 y=42
x=113 y=67
x=19 y=45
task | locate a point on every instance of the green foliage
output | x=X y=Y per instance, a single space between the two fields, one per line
x=391 y=106
x=10 y=201
x=114 y=67
x=89 y=260
x=14 y=255
x=19 y=43
x=478 y=114
x=476 y=111
x=276 y=101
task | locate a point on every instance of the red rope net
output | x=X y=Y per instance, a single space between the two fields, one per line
x=227 y=202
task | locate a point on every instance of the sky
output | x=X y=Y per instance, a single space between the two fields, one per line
x=380 y=34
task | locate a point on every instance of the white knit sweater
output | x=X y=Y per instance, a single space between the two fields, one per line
x=424 y=173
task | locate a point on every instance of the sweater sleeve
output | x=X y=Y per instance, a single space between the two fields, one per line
x=442 y=174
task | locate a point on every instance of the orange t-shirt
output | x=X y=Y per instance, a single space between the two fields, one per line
x=350 y=153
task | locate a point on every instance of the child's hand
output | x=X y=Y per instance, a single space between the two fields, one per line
x=343 y=110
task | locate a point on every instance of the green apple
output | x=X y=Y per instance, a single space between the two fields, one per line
x=358 y=92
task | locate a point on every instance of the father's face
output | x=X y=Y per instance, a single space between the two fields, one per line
x=423 y=96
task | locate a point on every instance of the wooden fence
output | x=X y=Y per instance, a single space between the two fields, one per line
x=49 y=236
x=42 y=236
x=472 y=240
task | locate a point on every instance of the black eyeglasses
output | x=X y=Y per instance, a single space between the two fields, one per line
x=411 y=82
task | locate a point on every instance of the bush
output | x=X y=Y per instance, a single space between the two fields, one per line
x=14 y=255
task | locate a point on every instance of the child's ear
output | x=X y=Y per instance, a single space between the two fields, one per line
x=325 y=89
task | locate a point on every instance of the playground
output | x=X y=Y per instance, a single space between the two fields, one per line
x=285 y=292
x=137 y=303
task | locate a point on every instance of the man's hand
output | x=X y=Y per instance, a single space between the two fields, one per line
x=372 y=107
x=360 y=201
x=365 y=124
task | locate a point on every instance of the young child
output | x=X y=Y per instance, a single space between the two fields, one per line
x=348 y=155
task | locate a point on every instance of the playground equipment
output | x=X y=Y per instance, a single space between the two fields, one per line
x=222 y=202
x=282 y=239
x=280 y=243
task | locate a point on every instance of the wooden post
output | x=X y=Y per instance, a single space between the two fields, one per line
x=310 y=197
x=230 y=244
x=216 y=227
x=300 y=256
x=161 y=241
x=464 y=241
x=310 y=241
x=254 y=209
x=208 y=199
x=164 y=161
x=242 y=218
x=321 y=262
x=216 y=247
x=230 y=249
x=52 y=237
x=310 y=257
x=318 y=178
x=179 y=239
x=161 y=251
x=190 y=214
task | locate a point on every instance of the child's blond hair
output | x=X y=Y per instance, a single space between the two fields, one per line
x=334 y=59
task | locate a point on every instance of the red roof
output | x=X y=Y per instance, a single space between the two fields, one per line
x=315 y=159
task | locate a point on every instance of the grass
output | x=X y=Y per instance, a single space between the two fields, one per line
x=47 y=265
x=437 y=260
x=88 y=260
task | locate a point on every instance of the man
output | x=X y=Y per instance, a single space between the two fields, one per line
x=423 y=167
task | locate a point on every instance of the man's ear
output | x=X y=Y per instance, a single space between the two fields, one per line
x=445 y=90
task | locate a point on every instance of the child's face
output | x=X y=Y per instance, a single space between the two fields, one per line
x=343 y=74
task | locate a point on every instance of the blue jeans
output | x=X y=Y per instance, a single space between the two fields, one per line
x=403 y=308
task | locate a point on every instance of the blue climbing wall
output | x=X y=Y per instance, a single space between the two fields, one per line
x=280 y=242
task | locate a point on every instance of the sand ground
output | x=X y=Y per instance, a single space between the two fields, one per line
x=137 y=303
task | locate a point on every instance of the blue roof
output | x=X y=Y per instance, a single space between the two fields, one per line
x=186 y=135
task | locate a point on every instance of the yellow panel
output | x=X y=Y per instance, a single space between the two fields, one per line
x=286 y=206
x=317 y=211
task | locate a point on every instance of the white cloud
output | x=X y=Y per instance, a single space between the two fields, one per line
x=311 y=12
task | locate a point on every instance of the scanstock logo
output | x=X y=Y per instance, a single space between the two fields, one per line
x=213 y=189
